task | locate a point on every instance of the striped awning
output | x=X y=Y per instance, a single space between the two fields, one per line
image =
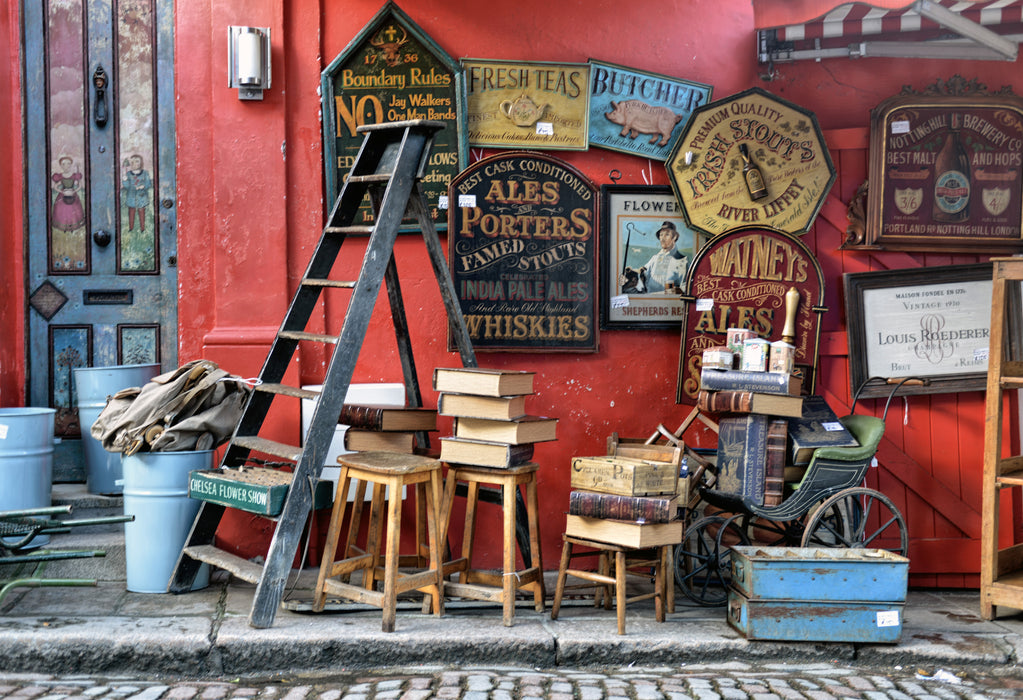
x=815 y=29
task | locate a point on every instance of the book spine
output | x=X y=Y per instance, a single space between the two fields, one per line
x=774 y=472
x=365 y=417
x=742 y=452
x=725 y=401
x=733 y=380
x=520 y=454
x=603 y=505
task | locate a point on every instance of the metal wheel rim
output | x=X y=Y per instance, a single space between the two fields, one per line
x=860 y=506
x=703 y=560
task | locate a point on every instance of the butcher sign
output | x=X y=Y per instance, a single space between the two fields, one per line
x=731 y=149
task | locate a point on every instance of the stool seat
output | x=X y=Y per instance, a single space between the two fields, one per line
x=390 y=473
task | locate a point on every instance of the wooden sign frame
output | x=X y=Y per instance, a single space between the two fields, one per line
x=908 y=203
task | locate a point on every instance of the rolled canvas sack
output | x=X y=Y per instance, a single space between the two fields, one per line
x=195 y=407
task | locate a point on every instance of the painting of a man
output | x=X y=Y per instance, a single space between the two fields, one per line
x=663 y=273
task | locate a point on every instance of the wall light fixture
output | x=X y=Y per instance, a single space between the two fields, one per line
x=248 y=61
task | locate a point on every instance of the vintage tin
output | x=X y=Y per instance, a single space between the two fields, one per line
x=754 y=355
x=719 y=357
x=735 y=337
x=782 y=357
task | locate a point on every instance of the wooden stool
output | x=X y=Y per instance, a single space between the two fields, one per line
x=625 y=558
x=393 y=471
x=483 y=585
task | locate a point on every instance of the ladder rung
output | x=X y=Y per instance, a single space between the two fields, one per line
x=1011 y=382
x=342 y=284
x=270 y=447
x=1014 y=478
x=363 y=230
x=242 y=568
x=374 y=177
x=285 y=390
x=302 y=335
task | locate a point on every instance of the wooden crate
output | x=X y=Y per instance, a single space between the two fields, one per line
x=625 y=476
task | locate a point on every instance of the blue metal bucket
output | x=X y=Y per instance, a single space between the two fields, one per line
x=156 y=493
x=26 y=461
x=93 y=385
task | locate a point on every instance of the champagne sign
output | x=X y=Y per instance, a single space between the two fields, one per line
x=745 y=279
x=522 y=250
x=947 y=170
x=751 y=159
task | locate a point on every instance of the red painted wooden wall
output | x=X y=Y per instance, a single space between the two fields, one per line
x=250 y=211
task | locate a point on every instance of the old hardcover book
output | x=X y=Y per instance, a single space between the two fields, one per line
x=491 y=407
x=625 y=476
x=483 y=382
x=750 y=402
x=760 y=382
x=742 y=455
x=817 y=427
x=484 y=453
x=361 y=440
x=649 y=509
x=624 y=533
x=515 y=432
x=371 y=417
x=774 y=471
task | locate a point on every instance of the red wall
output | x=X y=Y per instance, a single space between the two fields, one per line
x=250 y=211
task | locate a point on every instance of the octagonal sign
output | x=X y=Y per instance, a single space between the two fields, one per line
x=780 y=182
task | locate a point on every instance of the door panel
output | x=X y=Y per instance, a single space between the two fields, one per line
x=102 y=281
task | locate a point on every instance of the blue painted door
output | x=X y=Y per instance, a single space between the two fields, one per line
x=102 y=277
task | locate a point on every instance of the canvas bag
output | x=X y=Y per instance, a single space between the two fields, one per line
x=195 y=407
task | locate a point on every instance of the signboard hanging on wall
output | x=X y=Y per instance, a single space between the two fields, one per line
x=751 y=159
x=522 y=247
x=739 y=280
x=390 y=72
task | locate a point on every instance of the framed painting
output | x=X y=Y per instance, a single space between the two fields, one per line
x=930 y=323
x=645 y=251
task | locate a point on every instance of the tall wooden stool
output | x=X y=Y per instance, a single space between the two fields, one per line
x=625 y=560
x=483 y=585
x=393 y=471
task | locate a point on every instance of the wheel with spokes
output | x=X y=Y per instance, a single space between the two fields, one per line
x=858 y=518
x=703 y=562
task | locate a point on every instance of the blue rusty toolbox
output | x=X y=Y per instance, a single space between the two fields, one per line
x=817 y=594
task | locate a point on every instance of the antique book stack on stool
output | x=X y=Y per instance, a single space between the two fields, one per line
x=492 y=445
x=393 y=471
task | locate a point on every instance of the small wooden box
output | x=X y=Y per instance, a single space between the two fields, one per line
x=624 y=533
x=259 y=491
x=625 y=476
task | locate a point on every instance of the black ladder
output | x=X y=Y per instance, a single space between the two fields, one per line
x=388 y=167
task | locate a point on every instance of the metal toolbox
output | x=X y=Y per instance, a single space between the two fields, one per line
x=815 y=621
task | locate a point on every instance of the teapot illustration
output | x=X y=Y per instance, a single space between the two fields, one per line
x=523 y=111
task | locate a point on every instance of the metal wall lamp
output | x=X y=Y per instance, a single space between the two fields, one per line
x=248 y=61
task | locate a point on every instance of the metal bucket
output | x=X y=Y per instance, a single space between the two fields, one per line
x=156 y=493
x=26 y=461
x=93 y=385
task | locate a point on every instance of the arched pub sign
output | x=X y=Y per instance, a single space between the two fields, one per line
x=739 y=279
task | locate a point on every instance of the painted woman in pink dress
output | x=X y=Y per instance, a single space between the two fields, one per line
x=68 y=213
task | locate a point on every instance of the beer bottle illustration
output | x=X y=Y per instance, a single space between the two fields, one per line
x=751 y=174
x=951 y=179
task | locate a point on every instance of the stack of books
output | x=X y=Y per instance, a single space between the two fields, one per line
x=491 y=426
x=765 y=426
x=624 y=500
x=385 y=428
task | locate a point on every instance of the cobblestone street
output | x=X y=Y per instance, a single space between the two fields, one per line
x=726 y=681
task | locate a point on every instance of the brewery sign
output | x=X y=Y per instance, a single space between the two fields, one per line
x=522 y=250
x=751 y=159
x=637 y=112
x=392 y=72
x=743 y=279
x=946 y=171
x=527 y=105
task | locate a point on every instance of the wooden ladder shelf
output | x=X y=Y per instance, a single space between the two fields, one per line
x=388 y=168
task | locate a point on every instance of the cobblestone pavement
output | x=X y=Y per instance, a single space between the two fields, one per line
x=726 y=681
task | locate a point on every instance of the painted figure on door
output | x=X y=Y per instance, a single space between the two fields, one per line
x=136 y=186
x=67 y=216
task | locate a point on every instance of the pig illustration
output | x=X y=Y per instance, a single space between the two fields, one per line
x=638 y=117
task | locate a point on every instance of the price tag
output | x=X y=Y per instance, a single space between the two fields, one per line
x=545 y=128
x=3 y=431
x=900 y=127
x=442 y=202
x=888 y=618
x=980 y=354
x=619 y=301
x=704 y=304
x=832 y=426
x=467 y=200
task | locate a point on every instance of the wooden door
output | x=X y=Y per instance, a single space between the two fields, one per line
x=102 y=279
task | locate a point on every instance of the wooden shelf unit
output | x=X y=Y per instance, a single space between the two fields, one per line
x=1001 y=569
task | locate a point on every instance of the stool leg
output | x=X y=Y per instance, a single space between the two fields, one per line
x=433 y=497
x=337 y=515
x=355 y=522
x=620 y=589
x=390 y=600
x=659 y=596
x=669 y=578
x=508 y=578
x=532 y=515
x=559 y=587
x=469 y=532
x=376 y=518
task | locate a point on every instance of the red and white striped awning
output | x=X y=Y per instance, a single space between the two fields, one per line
x=792 y=29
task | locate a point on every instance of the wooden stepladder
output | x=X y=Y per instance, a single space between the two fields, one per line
x=388 y=167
